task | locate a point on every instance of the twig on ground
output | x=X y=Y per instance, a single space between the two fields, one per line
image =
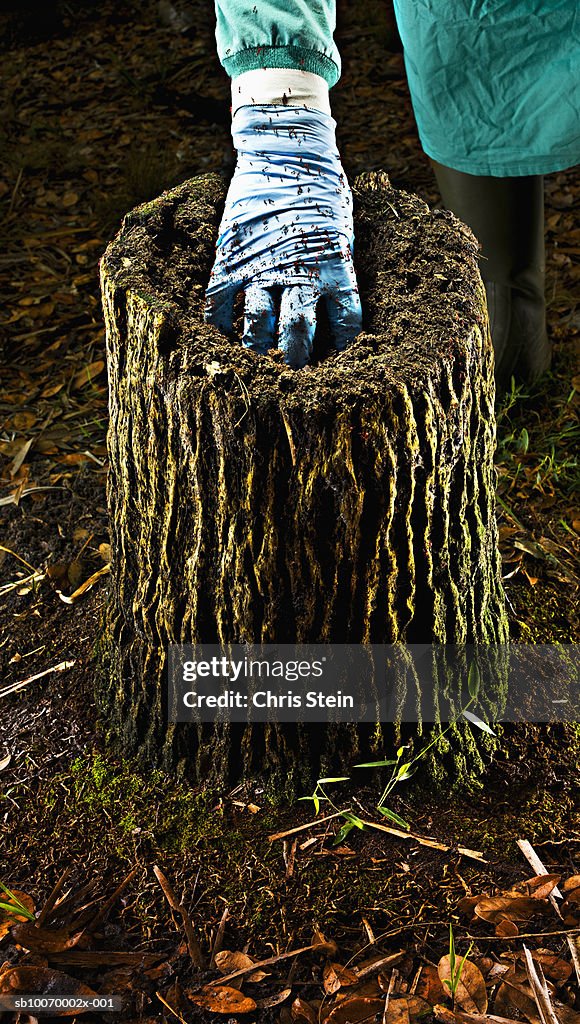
x=535 y=862
x=365 y=972
x=194 y=947
x=48 y=906
x=540 y=989
x=104 y=909
x=170 y=1008
x=266 y=963
x=473 y=854
x=390 y=990
x=61 y=667
x=522 y=935
x=574 y=953
x=289 y=854
x=219 y=938
x=467 y=935
x=302 y=828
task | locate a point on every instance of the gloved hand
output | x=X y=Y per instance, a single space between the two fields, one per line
x=286 y=233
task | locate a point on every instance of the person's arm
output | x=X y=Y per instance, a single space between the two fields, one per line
x=265 y=34
x=286 y=236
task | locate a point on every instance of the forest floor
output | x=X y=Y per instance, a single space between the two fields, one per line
x=105 y=111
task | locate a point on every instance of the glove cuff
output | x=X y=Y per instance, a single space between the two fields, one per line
x=283 y=86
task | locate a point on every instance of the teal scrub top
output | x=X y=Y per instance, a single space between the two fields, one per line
x=495 y=84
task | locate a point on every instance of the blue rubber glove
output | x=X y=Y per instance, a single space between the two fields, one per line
x=286 y=234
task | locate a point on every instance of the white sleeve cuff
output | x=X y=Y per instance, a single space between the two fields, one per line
x=287 y=86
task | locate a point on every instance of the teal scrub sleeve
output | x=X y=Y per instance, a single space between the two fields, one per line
x=495 y=84
x=293 y=34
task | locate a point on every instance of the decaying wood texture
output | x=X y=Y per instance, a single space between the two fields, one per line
x=352 y=501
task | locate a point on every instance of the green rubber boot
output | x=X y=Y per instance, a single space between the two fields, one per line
x=507 y=217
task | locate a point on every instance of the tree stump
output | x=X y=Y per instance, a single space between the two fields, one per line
x=349 y=502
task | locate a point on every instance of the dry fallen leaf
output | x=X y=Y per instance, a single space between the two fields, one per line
x=20 y=456
x=7 y=919
x=566 y=1015
x=21 y=421
x=429 y=985
x=336 y=976
x=371 y=988
x=572 y=895
x=52 y=389
x=447 y=1016
x=506 y=928
x=540 y=886
x=302 y=1012
x=227 y=961
x=471 y=993
x=515 y=992
x=555 y=969
x=88 y=373
x=42 y=981
x=256 y=976
x=468 y=904
x=485 y=964
x=515 y=908
x=416 y=1009
x=222 y=999
x=323 y=945
x=407 y=1009
x=275 y=1000
x=75 y=458
x=44 y=940
x=353 y=1011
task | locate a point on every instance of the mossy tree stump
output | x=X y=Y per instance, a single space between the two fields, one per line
x=352 y=501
